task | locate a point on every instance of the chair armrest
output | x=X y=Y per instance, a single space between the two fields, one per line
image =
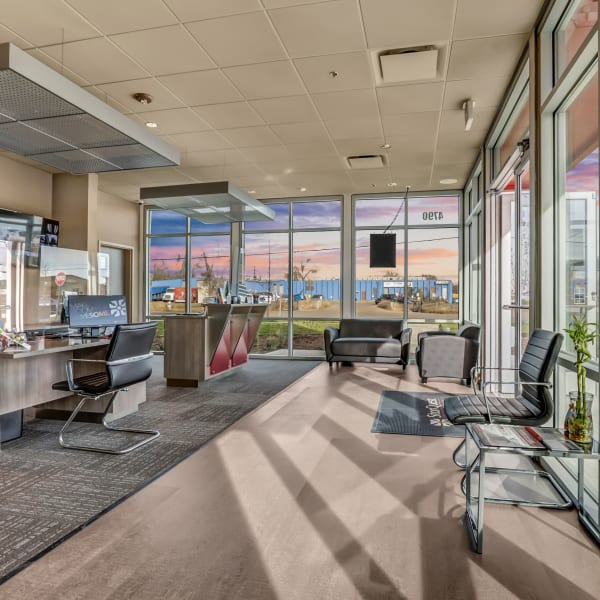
x=405 y=337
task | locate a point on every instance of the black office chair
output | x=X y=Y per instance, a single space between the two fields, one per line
x=531 y=405
x=127 y=362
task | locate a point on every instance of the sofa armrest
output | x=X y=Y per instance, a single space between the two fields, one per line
x=330 y=334
x=405 y=342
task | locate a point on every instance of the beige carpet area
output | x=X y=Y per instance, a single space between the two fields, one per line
x=299 y=501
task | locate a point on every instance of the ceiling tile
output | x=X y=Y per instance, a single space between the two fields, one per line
x=96 y=60
x=403 y=23
x=347 y=129
x=353 y=69
x=243 y=170
x=480 y=19
x=229 y=115
x=239 y=39
x=60 y=23
x=124 y=90
x=411 y=145
x=332 y=27
x=457 y=170
x=206 y=158
x=360 y=146
x=164 y=50
x=447 y=153
x=266 y=80
x=250 y=136
x=177 y=120
x=347 y=104
x=317 y=164
x=401 y=99
x=424 y=124
x=290 y=109
x=116 y=16
x=280 y=3
x=193 y=10
x=296 y=133
x=310 y=149
x=478 y=58
x=194 y=142
x=201 y=87
x=261 y=154
x=6 y=35
x=56 y=66
x=486 y=93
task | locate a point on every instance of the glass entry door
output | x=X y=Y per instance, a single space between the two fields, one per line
x=515 y=220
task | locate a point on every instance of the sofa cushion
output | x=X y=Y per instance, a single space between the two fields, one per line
x=367 y=346
x=371 y=328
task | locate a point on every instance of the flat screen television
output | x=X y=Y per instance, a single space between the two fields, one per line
x=93 y=314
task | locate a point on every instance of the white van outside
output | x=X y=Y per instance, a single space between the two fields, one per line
x=169 y=295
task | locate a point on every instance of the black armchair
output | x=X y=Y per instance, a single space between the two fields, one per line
x=532 y=404
x=444 y=354
x=127 y=362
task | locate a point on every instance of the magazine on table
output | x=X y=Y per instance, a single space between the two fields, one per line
x=509 y=436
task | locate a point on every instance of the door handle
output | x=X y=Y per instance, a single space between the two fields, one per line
x=514 y=307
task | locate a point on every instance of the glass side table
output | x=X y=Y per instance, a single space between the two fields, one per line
x=547 y=493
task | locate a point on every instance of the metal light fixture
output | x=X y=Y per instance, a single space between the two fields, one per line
x=211 y=202
x=48 y=118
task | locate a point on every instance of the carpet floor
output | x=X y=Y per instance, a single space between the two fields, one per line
x=48 y=493
x=414 y=413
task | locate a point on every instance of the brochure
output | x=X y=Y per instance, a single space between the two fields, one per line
x=508 y=436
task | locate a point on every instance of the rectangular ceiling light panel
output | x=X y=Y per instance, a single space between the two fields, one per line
x=42 y=113
x=212 y=202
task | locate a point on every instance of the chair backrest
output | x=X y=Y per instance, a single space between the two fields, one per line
x=372 y=328
x=537 y=364
x=129 y=342
x=470 y=332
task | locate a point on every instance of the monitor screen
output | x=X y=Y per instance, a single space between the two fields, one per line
x=97 y=311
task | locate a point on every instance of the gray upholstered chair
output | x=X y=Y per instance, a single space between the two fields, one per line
x=444 y=354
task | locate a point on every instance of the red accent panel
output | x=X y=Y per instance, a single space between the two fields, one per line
x=220 y=361
x=240 y=355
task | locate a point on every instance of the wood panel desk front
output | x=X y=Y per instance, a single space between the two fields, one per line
x=26 y=376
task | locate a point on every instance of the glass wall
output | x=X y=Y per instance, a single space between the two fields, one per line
x=294 y=263
x=423 y=287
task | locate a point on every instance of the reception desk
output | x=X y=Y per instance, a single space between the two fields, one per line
x=203 y=345
x=26 y=377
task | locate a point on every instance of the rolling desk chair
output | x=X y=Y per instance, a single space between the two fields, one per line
x=127 y=362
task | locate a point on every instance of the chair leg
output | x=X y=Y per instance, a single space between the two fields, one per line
x=458 y=456
x=153 y=434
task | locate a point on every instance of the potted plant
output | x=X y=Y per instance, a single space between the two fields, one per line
x=579 y=417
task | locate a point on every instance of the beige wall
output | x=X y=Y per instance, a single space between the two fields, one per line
x=24 y=188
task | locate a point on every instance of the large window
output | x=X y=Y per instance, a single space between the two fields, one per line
x=423 y=287
x=294 y=262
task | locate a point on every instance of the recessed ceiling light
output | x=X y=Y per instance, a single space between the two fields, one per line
x=302 y=189
x=252 y=191
x=288 y=171
x=385 y=146
x=151 y=124
x=448 y=181
x=392 y=184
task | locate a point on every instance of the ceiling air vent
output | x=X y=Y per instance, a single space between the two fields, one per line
x=409 y=64
x=367 y=161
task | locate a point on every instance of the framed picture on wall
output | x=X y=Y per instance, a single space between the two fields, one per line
x=49 y=235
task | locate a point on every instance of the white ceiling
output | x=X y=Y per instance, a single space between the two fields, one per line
x=243 y=87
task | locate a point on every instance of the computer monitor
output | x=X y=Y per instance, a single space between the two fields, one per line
x=93 y=314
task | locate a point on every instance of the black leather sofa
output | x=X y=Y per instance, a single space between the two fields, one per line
x=368 y=340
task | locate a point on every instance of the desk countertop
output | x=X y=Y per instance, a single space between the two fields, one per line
x=41 y=346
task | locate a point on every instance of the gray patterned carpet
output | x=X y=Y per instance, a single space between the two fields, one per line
x=48 y=493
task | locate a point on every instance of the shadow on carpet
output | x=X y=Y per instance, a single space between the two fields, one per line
x=48 y=493
x=416 y=413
